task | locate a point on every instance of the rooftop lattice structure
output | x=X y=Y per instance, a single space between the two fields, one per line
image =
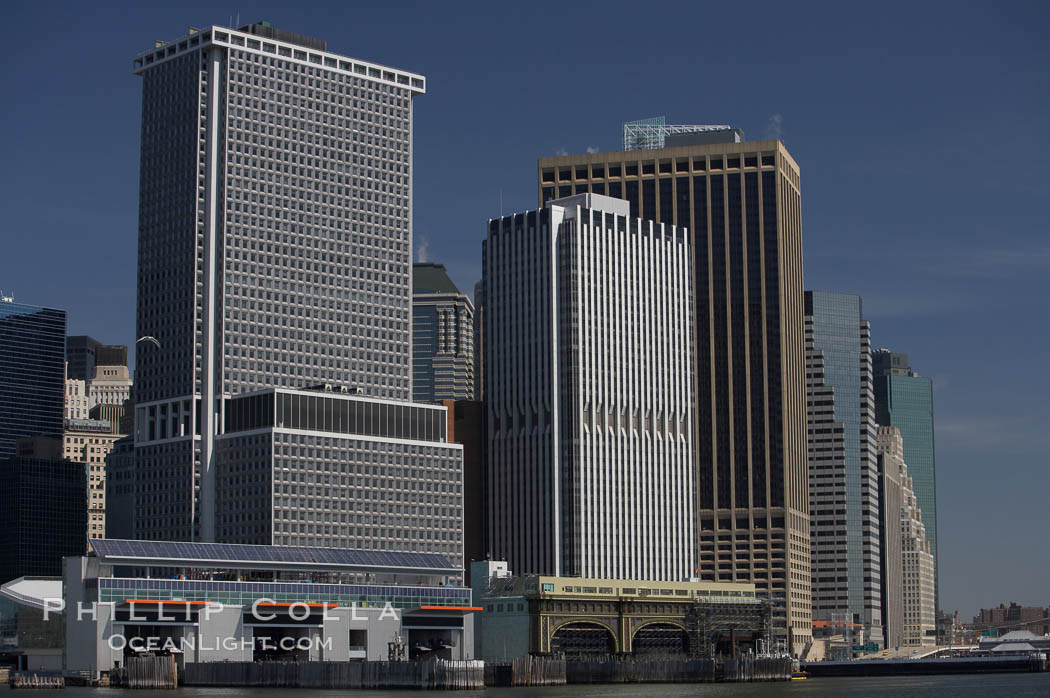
x=649 y=134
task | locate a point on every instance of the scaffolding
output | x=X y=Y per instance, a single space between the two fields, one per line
x=649 y=134
x=713 y=628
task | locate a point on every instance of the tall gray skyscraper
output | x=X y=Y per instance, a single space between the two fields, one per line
x=275 y=229
x=589 y=391
x=442 y=337
x=904 y=399
x=843 y=463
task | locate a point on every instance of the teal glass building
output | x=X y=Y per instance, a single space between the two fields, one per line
x=904 y=400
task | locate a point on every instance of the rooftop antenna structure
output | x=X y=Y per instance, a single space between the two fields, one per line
x=649 y=134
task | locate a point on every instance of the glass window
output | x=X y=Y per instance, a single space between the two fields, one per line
x=632 y=197
x=649 y=199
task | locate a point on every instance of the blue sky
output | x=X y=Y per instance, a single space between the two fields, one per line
x=921 y=130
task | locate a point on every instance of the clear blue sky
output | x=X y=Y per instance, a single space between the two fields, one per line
x=922 y=131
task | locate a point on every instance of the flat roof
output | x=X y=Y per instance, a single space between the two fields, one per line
x=244 y=40
x=265 y=557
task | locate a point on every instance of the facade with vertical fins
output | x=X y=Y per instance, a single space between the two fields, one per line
x=589 y=391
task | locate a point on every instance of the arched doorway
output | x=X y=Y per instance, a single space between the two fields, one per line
x=660 y=638
x=580 y=639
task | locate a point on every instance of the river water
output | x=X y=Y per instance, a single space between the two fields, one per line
x=983 y=686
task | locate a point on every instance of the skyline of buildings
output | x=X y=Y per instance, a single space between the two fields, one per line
x=644 y=422
x=742 y=203
x=590 y=462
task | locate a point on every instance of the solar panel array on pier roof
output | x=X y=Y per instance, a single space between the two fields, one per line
x=160 y=553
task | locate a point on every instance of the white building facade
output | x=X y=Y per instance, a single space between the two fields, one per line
x=110 y=386
x=917 y=591
x=588 y=383
x=76 y=399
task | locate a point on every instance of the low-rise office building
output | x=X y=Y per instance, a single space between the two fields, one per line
x=577 y=617
x=210 y=602
x=322 y=467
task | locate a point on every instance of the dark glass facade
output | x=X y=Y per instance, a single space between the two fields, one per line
x=80 y=357
x=32 y=372
x=43 y=515
x=170 y=238
x=340 y=415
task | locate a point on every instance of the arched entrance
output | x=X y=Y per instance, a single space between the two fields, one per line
x=660 y=638
x=580 y=639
